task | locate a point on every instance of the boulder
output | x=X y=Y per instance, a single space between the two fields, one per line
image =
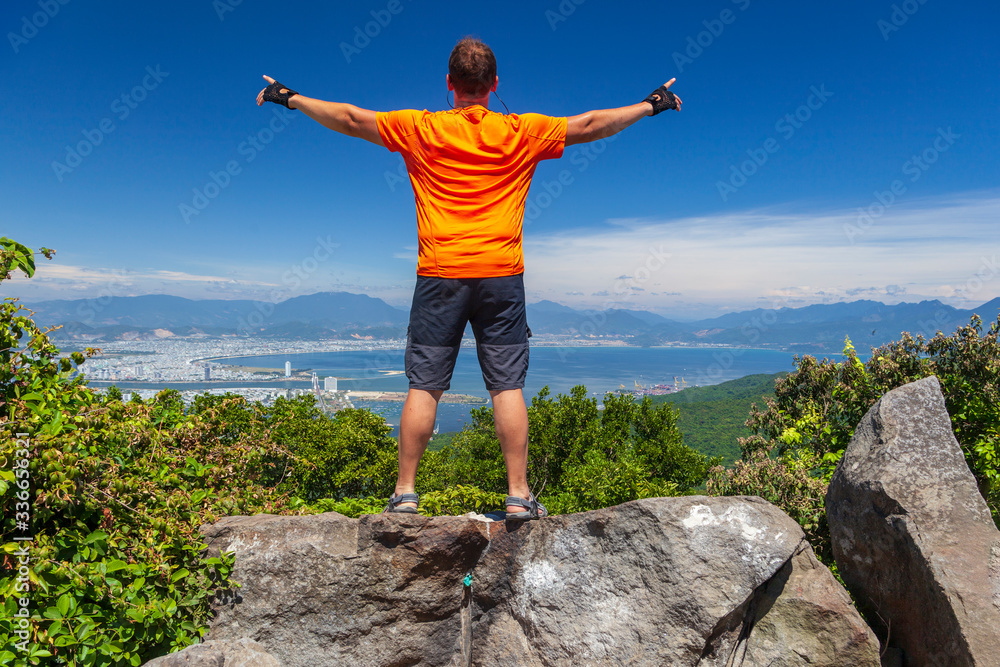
x=913 y=538
x=666 y=581
x=805 y=616
x=221 y=653
x=329 y=590
x=677 y=581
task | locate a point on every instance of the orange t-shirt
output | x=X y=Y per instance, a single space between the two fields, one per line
x=470 y=169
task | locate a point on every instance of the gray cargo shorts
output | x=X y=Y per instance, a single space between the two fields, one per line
x=442 y=307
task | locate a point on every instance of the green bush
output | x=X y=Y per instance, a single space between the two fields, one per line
x=352 y=507
x=350 y=455
x=114 y=493
x=117 y=492
x=580 y=457
x=460 y=499
x=805 y=428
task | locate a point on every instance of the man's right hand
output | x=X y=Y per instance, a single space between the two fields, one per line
x=662 y=99
x=276 y=93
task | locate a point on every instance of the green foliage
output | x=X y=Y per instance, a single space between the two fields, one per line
x=439 y=440
x=352 y=507
x=16 y=257
x=115 y=570
x=115 y=491
x=811 y=419
x=34 y=382
x=349 y=455
x=459 y=499
x=580 y=457
x=116 y=494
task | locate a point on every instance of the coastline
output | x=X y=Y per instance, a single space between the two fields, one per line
x=567 y=344
x=400 y=396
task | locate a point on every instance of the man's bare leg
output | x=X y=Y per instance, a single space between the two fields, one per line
x=415 y=428
x=510 y=417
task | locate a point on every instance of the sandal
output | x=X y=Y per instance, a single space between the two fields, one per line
x=535 y=509
x=394 y=502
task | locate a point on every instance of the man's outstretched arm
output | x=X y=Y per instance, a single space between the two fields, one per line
x=595 y=125
x=344 y=118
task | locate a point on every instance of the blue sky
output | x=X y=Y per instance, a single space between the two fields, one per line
x=825 y=152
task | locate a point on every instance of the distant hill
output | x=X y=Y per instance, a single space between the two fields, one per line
x=151 y=311
x=812 y=329
x=325 y=314
x=712 y=418
x=819 y=328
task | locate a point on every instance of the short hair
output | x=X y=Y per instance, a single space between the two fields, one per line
x=472 y=67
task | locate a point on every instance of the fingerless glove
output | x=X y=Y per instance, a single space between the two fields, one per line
x=273 y=94
x=662 y=99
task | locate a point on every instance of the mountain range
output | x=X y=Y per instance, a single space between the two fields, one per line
x=820 y=327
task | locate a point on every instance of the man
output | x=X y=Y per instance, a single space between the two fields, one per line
x=470 y=169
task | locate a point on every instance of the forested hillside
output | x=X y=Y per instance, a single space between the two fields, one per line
x=711 y=418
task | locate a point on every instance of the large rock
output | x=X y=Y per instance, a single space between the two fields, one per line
x=804 y=614
x=664 y=581
x=222 y=653
x=667 y=581
x=328 y=590
x=913 y=537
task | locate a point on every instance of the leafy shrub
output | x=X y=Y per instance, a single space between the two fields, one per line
x=350 y=455
x=352 y=507
x=460 y=499
x=117 y=575
x=811 y=419
x=580 y=457
x=114 y=494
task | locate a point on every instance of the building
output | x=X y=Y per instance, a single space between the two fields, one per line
x=288 y=369
x=315 y=381
x=208 y=372
x=330 y=383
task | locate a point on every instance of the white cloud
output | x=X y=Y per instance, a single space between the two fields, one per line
x=932 y=248
x=274 y=283
x=53 y=280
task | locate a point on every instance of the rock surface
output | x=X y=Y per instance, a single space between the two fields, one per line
x=913 y=538
x=664 y=581
x=805 y=613
x=221 y=653
x=667 y=581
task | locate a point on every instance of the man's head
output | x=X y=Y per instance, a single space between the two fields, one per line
x=472 y=68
